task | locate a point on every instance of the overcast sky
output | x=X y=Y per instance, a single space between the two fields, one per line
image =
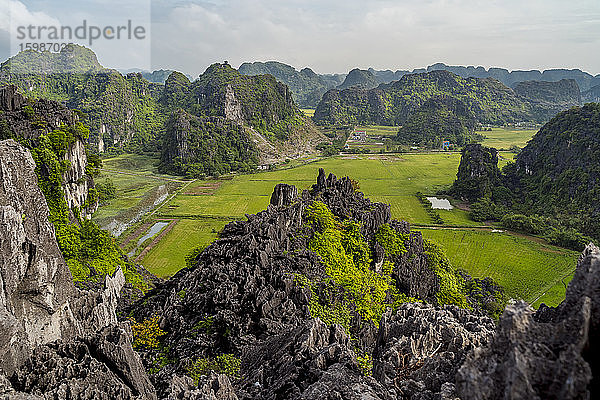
x=332 y=36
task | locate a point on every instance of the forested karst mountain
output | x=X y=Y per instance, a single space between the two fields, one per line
x=360 y=78
x=558 y=172
x=488 y=99
x=201 y=146
x=121 y=111
x=439 y=119
x=307 y=87
x=391 y=104
x=552 y=188
x=549 y=98
x=592 y=95
x=268 y=122
x=129 y=113
x=388 y=76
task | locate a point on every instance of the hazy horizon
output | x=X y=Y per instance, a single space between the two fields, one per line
x=337 y=36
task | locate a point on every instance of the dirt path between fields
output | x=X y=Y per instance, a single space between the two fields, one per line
x=116 y=171
x=535 y=239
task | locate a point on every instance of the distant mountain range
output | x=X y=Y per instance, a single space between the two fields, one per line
x=367 y=78
x=223 y=121
x=486 y=100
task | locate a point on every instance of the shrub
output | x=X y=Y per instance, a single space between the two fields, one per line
x=222 y=364
x=391 y=241
x=146 y=334
x=452 y=285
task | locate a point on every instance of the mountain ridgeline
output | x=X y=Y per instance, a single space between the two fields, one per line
x=391 y=104
x=306 y=86
x=552 y=188
x=301 y=87
x=320 y=296
x=129 y=113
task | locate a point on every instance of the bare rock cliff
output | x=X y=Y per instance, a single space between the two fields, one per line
x=56 y=341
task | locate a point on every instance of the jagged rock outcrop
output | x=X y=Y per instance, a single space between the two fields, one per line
x=56 y=341
x=312 y=361
x=548 y=354
x=29 y=120
x=420 y=348
x=35 y=299
x=243 y=297
x=284 y=194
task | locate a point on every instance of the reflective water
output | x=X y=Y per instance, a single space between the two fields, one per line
x=440 y=204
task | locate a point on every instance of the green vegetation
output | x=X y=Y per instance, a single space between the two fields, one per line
x=222 y=364
x=197 y=147
x=391 y=241
x=378 y=130
x=309 y=112
x=359 y=78
x=169 y=255
x=146 y=334
x=439 y=119
x=452 y=285
x=106 y=190
x=490 y=101
x=347 y=259
x=90 y=252
x=504 y=138
x=433 y=213
x=525 y=268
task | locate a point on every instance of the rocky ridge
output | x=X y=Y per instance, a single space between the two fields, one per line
x=244 y=296
x=241 y=296
x=28 y=120
x=57 y=341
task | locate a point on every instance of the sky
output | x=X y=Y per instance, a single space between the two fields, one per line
x=329 y=36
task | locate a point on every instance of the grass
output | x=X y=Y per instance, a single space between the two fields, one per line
x=309 y=112
x=525 y=268
x=168 y=256
x=390 y=179
x=503 y=138
x=378 y=130
x=135 y=177
x=555 y=294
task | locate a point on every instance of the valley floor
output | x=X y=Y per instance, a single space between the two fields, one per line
x=191 y=213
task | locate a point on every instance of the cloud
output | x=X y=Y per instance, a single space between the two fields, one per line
x=14 y=13
x=337 y=35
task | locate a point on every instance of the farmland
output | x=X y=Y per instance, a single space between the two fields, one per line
x=525 y=268
x=503 y=138
x=528 y=269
